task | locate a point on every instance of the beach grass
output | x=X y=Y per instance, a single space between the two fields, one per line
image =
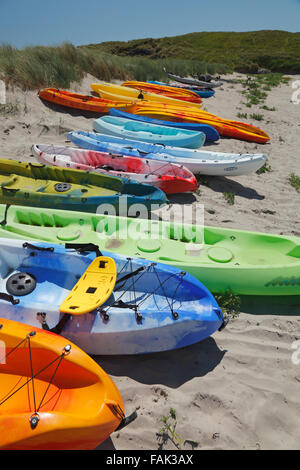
x=61 y=66
x=295 y=181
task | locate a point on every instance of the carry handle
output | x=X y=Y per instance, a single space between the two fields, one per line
x=9 y=298
x=84 y=247
x=38 y=248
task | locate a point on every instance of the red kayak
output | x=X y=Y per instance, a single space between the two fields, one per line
x=169 y=177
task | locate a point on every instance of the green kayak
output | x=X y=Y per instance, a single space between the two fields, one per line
x=31 y=184
x=248 y=263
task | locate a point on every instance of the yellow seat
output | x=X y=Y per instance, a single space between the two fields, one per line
x=93 y=288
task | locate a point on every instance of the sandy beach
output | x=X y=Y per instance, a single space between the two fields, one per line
x=239 y=389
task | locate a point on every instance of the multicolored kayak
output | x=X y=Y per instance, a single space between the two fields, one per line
x=169 y=177
x=225 y=127
x=53 y=395
x=148 y=132
x=197 y=161
x=35 y=184
x=164 y=89
x=119 y=93
x=249 y=263
x=211 y=135
x=153 y=307
x=78 y=101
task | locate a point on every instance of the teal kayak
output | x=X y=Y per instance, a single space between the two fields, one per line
x=148 y=132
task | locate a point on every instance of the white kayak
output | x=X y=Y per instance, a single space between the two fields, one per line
x=202 y=162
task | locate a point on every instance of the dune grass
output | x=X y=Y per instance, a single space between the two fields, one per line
x=41 y=66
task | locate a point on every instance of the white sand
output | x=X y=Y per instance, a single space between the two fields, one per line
x=239 y=388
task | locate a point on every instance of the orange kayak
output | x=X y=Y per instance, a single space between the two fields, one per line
x=225 y=127
x=52 y=394
x=78 y=101
x=172 y=92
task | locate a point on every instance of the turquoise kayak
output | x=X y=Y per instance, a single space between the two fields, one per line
x=148 y=132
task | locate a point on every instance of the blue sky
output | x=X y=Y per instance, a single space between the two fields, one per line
x=31 y=22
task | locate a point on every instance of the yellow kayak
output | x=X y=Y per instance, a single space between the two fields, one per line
x=117 y=93
x=176 y=93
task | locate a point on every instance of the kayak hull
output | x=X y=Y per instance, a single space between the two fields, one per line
x=148 y=132
x=46 y=186
x=159 y=292
x=211 y=135
x=121 y=93
x=225 y=127
x=170 y=177
x=165 y=90
x=248 y=263
x=203 y=93
x=197 y=161
x=78 y=101
x=78 y=411
x=192 y=81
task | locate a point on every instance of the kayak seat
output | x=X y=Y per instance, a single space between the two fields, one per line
x=93 y=288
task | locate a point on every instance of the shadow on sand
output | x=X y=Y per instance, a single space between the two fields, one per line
x=193 y=361
x=106 y=445
x=271 y=305
x=221 y=184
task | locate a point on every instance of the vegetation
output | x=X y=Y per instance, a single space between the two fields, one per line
x=230 y=304
x=11 y=109
x=242 y=115
x=246 y=52
x=40 y=66
x=168 y=432
x=257 y=117
x=264 y=169
x=229 y=197
x=295 y=181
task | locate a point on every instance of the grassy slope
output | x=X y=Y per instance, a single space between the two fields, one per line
x=278 y=51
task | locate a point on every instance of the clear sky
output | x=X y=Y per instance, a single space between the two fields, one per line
x=31 y=22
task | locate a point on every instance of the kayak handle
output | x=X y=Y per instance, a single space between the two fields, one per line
x=12 y=190
x=127 y=420
x=38 y=248
x=37 y=165
x=224 y=323
x=9 y=298
x=84 y=247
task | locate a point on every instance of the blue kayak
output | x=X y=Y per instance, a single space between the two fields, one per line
x=150 y=307
x=148 y=132
x=202 y=93
x=211 y=134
